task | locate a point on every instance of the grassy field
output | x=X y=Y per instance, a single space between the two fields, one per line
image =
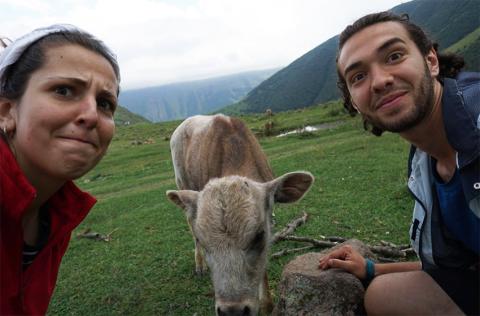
x=147 y=267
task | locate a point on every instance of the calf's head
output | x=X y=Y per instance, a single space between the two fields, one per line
x=231 y=220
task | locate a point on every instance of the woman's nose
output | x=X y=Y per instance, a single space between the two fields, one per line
x=88 y=112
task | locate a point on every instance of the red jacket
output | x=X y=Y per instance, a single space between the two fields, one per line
x=28 y=292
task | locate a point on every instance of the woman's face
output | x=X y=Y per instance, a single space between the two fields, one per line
x=64 y=121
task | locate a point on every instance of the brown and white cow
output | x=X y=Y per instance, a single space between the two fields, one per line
x=227 y=190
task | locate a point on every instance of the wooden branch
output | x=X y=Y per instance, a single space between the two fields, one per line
x=335 y=238
x=387 y=251
x=385 y=260
x=409 y=251
x=314 y=242
x=290 y=228
x=384 y=251
x=87 y=233
x=288 y=251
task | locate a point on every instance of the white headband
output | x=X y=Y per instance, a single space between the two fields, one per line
x=13 y=51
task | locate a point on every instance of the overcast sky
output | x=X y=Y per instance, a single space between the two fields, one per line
x=165 y=41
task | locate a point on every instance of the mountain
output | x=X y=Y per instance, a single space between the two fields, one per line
x=311 y=79
x=180 y=100
x=125 y=117
x=468 y=47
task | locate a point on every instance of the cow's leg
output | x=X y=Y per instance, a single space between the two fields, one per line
x=266 y=302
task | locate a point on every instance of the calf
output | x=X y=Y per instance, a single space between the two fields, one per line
x=227 y=191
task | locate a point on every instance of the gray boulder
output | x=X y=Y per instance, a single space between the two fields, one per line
x=306 y=290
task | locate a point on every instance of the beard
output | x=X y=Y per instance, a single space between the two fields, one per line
x=423 y=104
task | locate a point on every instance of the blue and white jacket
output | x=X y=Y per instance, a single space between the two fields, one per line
x=461 y=117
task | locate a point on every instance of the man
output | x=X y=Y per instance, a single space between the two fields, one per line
x=389 y=72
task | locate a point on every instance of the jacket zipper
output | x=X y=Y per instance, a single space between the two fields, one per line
x=420 y=253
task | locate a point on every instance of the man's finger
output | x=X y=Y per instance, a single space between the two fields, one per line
x=340 y=264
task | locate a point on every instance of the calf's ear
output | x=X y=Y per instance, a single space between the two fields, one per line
x=290 y=187
x=185 y=199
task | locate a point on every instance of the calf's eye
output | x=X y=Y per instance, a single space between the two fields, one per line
x=258 y=242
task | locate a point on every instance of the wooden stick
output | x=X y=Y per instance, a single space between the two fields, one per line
x=96 y=236
x=288 y=251
x=387 y=251
x=290 y=228
x=315 y=242
x=384 y=251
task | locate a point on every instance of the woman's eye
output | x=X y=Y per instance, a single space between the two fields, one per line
x=106 y=105
x=64 y=91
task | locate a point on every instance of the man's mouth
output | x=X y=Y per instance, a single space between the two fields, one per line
x=390 y=99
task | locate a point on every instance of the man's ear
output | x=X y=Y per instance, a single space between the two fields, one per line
x=432 y=62
x=290 y=187
x=185 y=199
x=7 y=114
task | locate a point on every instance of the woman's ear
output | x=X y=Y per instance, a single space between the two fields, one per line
x=7 y=114
x=432 y=62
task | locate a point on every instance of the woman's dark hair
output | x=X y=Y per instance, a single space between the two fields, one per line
x=18 y=74
x=450 y=64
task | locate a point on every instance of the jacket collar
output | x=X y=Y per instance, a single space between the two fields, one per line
x=69 y=204
x=462 y=132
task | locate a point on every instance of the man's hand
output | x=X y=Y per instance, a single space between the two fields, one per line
x=345 y=258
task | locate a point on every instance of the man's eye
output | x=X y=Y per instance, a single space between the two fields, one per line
x=357 y=77
x=394 y=57
x=64 y=91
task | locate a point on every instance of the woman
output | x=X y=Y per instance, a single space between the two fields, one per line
x=58 y=93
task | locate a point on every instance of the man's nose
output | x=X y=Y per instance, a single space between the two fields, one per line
x=381 y=78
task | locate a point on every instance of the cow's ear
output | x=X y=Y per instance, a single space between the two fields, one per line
x=185 y=199
x=290 y=187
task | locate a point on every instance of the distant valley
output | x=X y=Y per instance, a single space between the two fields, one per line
x=180 y=100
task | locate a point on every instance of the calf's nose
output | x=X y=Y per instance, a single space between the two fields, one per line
x=234 y=310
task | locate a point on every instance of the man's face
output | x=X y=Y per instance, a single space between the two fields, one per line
x=389 y=80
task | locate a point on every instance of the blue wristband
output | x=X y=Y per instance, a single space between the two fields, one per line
x=370 y=271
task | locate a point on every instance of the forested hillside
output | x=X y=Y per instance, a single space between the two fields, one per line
x=469 y=48
x=311 y=79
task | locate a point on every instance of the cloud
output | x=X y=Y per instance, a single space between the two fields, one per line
x=167 y=41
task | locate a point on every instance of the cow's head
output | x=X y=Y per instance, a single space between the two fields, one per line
x=231 y=220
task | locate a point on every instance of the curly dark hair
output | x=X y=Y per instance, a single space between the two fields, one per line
x=450 y=64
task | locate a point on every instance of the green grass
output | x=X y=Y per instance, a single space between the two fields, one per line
x=147 y=268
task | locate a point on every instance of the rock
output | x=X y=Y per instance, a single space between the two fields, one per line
x=306 y=290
